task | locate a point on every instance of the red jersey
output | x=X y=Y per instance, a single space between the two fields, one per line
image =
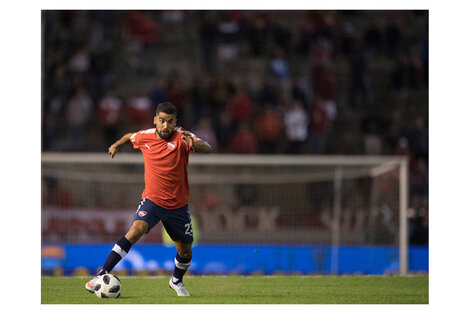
x=166 y=163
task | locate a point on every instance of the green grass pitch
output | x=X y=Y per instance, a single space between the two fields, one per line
x=247 y=290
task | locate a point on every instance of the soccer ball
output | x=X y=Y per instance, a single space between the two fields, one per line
x=108 y=286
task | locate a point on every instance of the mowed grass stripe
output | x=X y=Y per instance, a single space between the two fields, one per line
x=249 y=290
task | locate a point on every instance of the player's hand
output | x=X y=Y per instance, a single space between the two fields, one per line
x=188 y=139
x=112 y=150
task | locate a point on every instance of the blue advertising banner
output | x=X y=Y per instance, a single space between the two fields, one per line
x=244 y=259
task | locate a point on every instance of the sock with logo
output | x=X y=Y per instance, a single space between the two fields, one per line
x=120 y=249
x=181 y=266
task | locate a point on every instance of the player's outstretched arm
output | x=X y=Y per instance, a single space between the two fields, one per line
x=114 y=147
x=201 y=146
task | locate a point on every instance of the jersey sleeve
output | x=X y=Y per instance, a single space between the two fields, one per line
x=136 y=139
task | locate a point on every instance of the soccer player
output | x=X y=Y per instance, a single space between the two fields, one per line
x=165 y=149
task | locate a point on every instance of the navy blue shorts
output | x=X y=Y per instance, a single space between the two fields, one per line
x=177 y=222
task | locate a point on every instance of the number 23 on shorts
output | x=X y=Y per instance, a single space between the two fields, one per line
x=189 y=229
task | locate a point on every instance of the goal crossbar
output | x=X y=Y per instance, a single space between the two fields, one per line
x=231 y=159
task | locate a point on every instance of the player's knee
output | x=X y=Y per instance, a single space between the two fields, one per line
x=140 y=226
x=138 y=229
x=185 y=251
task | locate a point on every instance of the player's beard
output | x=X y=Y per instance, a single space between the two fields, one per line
x=165 y=135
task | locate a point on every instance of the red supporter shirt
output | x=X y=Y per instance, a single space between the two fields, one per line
x=166 y=163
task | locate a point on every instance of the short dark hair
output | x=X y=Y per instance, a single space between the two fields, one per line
x=166 y=107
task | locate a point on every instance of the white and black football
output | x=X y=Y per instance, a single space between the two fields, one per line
x=108 y=286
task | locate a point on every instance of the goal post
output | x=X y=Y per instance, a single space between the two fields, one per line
x=241 y=199
x=404 y=188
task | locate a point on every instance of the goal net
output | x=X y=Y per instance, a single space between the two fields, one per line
x=234 y=199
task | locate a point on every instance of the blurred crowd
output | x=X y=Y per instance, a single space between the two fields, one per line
x=294 y=82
